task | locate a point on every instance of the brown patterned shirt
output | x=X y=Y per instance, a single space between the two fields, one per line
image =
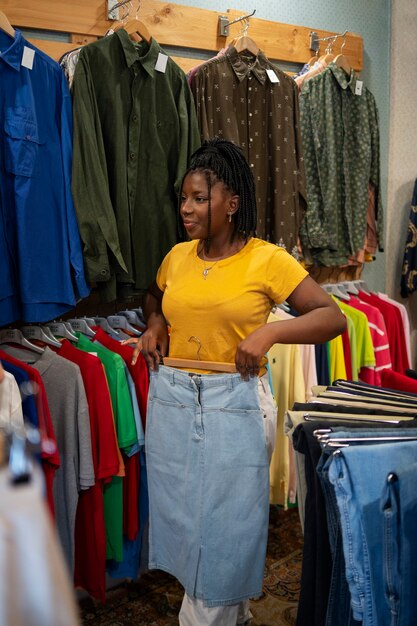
x=237 y=100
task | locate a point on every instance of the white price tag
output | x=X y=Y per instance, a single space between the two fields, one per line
x=272 y=76
x=358 y=88
x=27 y=58
x=161 y=63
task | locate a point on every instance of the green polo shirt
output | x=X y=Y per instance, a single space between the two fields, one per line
x=134 y=131
x=124 y=421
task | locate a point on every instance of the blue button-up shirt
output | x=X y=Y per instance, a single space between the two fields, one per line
x=41 y=265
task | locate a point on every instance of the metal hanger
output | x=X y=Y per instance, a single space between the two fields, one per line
x=135 y=28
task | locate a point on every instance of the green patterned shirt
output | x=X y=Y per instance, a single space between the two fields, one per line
x=340 y=136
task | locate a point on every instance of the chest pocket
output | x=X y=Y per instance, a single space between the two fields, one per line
x=21 y=142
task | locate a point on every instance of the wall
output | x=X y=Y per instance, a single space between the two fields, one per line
x=371 y=20
x=403 y=143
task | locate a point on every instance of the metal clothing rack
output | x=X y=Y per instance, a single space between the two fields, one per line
x=224 y=23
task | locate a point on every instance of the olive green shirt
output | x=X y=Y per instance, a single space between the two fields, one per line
x=340 y=133
x=237 y=100
x=134 y=131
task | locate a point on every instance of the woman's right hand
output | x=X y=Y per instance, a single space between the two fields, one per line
x=153 y=344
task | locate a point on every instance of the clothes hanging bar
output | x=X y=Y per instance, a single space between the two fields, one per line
x=224 y=23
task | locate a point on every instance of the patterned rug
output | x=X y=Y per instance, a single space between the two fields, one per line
x=156 y=599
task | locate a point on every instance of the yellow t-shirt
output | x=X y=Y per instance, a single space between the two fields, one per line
x=234 y=300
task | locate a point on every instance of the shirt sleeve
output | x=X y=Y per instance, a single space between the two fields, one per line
x=375 y=176
x=162 y=274
x=283 y=275
x=90 y=185
x=75 y=251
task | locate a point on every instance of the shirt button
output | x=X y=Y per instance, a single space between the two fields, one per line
x=252 y=165
x=250 y=89
x=103 y=272
x=250 y=114
x=132 y=156
x=250 y=139
x=135 y=118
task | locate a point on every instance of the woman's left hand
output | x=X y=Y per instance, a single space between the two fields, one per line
x=251 y=350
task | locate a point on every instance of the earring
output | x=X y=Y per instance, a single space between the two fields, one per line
x=230 y=217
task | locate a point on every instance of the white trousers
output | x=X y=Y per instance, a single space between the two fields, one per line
x=193 y=612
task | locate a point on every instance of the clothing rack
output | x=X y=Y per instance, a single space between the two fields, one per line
x=171 y=24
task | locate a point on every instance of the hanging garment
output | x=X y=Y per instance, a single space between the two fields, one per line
x=11 y=413
x=340 y=134
x=90 y=531
x=409 y=268
x=50 y=455
x=41 y=268
x=238 y=98
x=70 y=418
x=35 y=587
x=134 y=131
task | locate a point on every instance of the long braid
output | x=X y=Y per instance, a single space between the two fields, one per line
x=224 y=161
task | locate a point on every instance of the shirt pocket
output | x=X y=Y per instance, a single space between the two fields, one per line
x=21 y=142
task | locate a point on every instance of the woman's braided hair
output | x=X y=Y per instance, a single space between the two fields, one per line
x=224 y=161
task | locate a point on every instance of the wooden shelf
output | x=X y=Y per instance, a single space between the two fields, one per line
x=171 y=24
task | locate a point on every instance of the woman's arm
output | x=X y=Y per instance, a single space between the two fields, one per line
x=320 y=320
x=154 y=341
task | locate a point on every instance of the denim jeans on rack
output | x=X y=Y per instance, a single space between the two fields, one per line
x=339 y=611
x=358 y=474
x=399 y=507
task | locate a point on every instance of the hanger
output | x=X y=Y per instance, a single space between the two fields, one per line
x=341 y=60
x=216 y=366
x=328 y=54
x=133 y=317
x=112 y=332
x=245 y=43
x=5 y=25
x=81 y=325
x=13 y=335
x=316 y=417
x=362 y=286
x=62 y=329
x=37 y=332
x=349 y=285
x=135 y=28
x=119 y=321
x=335 y=290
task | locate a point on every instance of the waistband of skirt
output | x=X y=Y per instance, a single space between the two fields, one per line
x=204 y=381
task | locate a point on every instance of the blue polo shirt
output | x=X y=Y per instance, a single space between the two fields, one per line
x=41 y=264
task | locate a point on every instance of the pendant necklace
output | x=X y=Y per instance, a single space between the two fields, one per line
x=207 y=269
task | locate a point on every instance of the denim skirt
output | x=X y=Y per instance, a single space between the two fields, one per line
x=208 y=479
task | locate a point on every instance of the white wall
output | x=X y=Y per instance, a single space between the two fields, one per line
x=402 y=167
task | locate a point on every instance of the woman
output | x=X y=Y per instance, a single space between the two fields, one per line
x=206 y=450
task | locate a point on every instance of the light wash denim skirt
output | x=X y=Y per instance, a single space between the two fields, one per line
x=208 y=479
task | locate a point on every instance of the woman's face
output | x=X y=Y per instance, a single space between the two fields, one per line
x=194 y=207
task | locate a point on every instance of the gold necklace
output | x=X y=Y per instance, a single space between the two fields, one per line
x=207 y=269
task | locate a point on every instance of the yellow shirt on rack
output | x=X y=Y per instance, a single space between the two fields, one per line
x=209 y=316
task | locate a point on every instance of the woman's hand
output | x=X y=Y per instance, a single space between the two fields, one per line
x=153 y=344
x=251 y=350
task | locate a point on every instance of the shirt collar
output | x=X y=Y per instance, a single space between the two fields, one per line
x=342 y=78
x=242 y=69
x=13 y=55
x=146 y=55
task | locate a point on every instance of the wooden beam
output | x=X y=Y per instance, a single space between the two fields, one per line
x=177 y=25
